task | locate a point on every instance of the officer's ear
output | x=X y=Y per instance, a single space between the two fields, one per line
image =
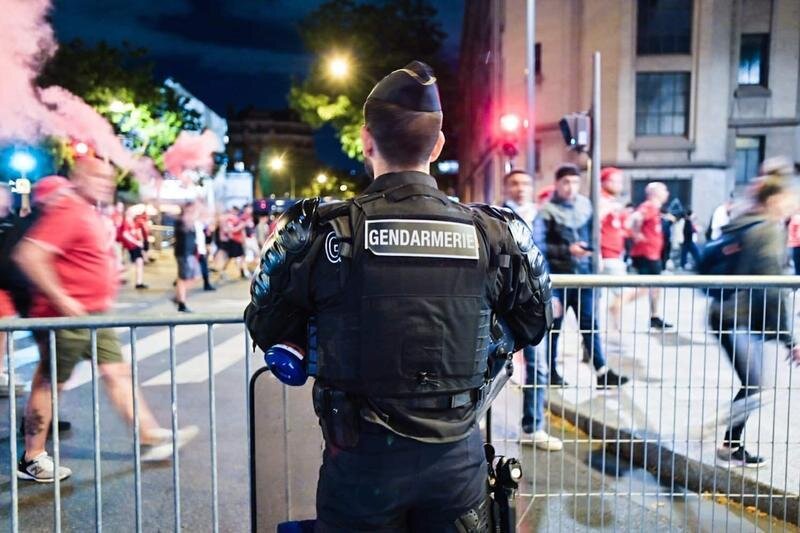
x=437 y=148
x=367 y=142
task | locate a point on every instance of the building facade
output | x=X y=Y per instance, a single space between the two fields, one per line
x=695 y=93
x=255 y=136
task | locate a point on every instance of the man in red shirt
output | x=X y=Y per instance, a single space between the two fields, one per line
x=133 y=239
x=613 y=232
x=648 y=243
x=67 y=257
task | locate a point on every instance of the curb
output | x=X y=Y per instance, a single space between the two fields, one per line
x=674 y=469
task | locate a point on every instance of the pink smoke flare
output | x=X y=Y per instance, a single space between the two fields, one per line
x=191 y=152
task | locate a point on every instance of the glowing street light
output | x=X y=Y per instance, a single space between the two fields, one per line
x=81 y=148
x=343 y=188
x=23 y=162
x=277 y=164
x=339 y=67
x=322 y=179
x=510 y=123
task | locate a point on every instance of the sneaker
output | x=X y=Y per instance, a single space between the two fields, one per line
x=544 y=441
x=740 y=457
x=556 y=380
x=141 y=286
x=209 y=288
x=657 y=323
x=610 y=379
x=5 y=390
x=161 y=449
x=182 y=308
x=40 y=469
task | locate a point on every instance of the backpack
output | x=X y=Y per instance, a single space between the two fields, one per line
x=721 y=256
x=12 y=230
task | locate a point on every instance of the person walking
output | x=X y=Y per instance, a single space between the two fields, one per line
x=648 y=244
x=398 y=287
x=563 y=232
x=745 y=319
x=689 y=244
x=518 y=193
x=793 y=242
x=202 y=239
x=186 y=254
x=133 y=240
x=67 y=258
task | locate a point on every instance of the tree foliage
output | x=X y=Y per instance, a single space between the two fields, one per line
x=119 y=83
x=377 y=38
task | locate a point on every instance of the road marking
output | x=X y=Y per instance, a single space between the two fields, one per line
x=195 y=370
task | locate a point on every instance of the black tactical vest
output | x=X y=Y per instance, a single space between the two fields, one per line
x=413 y=318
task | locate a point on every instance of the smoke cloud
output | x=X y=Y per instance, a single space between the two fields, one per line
x=191 y=152
x=28 y=113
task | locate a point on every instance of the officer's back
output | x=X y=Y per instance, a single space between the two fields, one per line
x=390 y=298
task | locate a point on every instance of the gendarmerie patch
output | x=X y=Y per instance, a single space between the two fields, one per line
x=421 y=238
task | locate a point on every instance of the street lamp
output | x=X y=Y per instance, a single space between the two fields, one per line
x=339 y=67
x=322 y=179
x=23 y=162
x=277 y=164
x=81 y=148
x=343 y=188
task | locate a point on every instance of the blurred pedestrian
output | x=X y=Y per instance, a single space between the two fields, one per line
x=563 y=232
x=142 y=222
x=614 y=230
x=132 y=240
x=689 y=243
x=793 y=242
x=66 y=256
x=7 y=308
x=719 y=218
x=648 y=244
x=232 y=233
x=186 y=254
x=518 y=193
x=744 y=319
x=202 y=239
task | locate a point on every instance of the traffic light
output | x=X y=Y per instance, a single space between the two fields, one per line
x=509 y=128
x=575 y=128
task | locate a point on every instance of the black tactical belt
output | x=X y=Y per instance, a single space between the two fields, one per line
x=447 y=401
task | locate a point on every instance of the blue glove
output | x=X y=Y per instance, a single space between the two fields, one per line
x=286 y=363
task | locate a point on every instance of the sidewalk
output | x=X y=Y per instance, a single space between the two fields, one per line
x=671 y=416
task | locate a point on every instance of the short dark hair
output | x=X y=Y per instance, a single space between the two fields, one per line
x=567 y=169
x=403 y=137
x=514 y=172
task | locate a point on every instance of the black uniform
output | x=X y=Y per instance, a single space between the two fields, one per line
x=391 y=296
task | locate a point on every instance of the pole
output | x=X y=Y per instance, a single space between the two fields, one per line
x=530 y=42
x=595 y=169
x=291 y=182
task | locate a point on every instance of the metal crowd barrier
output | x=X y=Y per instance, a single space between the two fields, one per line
x=642 y=456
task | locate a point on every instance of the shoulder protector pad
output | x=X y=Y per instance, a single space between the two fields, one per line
x=293 y=232
x=519 y=230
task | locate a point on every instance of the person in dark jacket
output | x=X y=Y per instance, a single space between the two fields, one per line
x=744 y=319
x=563 y=232
x=186 y=254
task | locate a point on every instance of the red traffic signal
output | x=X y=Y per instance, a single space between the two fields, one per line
x=510 y=123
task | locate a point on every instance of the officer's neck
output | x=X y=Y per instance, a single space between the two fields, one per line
x=381 y=168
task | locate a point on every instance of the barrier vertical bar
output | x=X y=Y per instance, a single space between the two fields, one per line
x=137 y=452
x=12 y=422
x=212 y=419
x=98 y=491
x=176 y=476
x=56 y=440
x=248 y=354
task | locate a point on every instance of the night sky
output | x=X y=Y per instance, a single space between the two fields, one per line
x=227 y=53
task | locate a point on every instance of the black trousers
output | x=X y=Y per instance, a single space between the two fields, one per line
x=388 y=483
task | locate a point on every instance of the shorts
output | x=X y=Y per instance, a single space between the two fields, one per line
x=234 y=249
x=135 y=253
x=644 y=266
x=613 y=267
x=188 y=267
x=74 y=345
x=7 y=307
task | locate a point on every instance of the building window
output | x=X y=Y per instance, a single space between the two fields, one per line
x=754 y=59
x=537 y=59
x=664 y=27
x=749 y=155
x=662 y=103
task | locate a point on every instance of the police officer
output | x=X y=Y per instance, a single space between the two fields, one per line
x=389 y=298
